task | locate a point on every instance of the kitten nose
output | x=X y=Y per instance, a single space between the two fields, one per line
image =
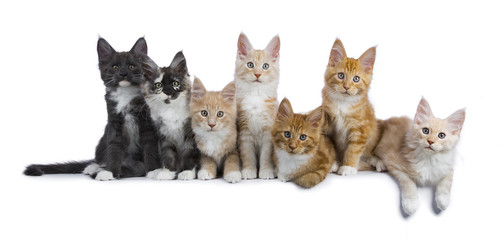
x=211 y=125
x=292 y=147
x=123 y=75
x=257 y=75
x=430 y=142
x=346 y=87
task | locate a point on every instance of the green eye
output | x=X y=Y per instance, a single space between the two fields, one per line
x=131 y=67
x=265 y=66
x=302 y=137
x=441 y=135
x=356 y=79
x=115 y=67
x=220 y=114
x=425 y=131
x=287 y=134
x=175 y=84
x=250 y=64
x=341 y=75
x=158 y=85
x=204 y=113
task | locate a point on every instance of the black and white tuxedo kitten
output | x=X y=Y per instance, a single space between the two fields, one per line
x=168 y=99
x=128 y=147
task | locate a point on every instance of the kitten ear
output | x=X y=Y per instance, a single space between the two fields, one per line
x=198 y=90
x=140 y=47
x=104 y=49
x=244 y=45
x=229 y=91
x=285 y=109
x=423 y=113
x=337 y=53
x=179 y=64
x=315 y=117
x=367 y=59
x=456 y=120
x=273 y=47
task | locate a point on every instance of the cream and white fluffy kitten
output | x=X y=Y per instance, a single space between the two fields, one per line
x=420 y=152
x=256 y=78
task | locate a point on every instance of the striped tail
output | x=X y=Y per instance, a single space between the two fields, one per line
x=56 y=168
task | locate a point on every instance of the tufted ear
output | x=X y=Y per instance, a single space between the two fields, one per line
x=140 y=47
x=285 y=109
x=104 y=49
x=338 y=53
x=229 y=91
x=179 y=64
x=244 y=45
x=367 y=59
x=456 y=121
x=315 y=117
x=198 y=90
x=424 y=112
x=273 y=47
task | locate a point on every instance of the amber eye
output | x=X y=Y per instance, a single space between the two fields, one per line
x=250 y=64
x=158 y=85
x=356 y=79
x=441 y=135
x=175 y=84
x=265 y=66
x=287 y=134
x=115 y=67
x=131 y=67
x=204 y=113
x=341 y=75
x=425 y=131
x=220 y=114
x=302 y=137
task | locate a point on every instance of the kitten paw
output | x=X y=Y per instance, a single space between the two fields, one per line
x=334 y=168
x=442 y=201
x=347 y=170
x=267 y=173
x=92 y=169
x=104 y=176
x=187 y=175
x=380 y=166
x=204 y=174
x=249 y=173
x=161 y=174
x=233 y=177
x=409 y=205
x=282 y=178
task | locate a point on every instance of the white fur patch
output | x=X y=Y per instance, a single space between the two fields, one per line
x=290 y=163
x=334 y=168
x=432 y=167
x=92 y=169
x=249 y=173
x=104 y=175
x=203 y=174
x=124 y=83
x=161 y=174
x=267 y=173
x=187 y=174
x=123 y=96
x=233 y=177
x=213 y=142
x=410 y=205
x=347 y=170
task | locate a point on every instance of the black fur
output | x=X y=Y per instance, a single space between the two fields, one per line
x=69 y=167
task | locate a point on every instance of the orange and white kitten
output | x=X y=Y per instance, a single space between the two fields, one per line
x=420 y=152
x=213 y=120
x=301 y=152
x=256 y=78
x=351 y=120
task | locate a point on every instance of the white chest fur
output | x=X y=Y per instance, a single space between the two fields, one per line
x=431 y=168
x=214 y=144
x=123 y=96
x=289 y=164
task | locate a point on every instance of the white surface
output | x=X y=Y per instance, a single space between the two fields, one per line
x=53 y=110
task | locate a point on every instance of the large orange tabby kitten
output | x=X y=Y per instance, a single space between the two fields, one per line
x=301 y=153
x=420 y=152
x=256 y=78
x=351 y=120
x=213 y=117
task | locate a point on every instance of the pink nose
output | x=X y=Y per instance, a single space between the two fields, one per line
x=211 y=125
x=346 y=87
x=430 y=142
x=292 y=147
x=257 y=75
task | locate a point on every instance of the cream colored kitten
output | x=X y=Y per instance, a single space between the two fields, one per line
x=420 y=152
x=256 y=78
x=213 y=122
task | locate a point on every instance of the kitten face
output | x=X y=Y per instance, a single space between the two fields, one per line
x=172 y=80
x=296 y=133
x=212 y=111
x=349 y=76
x=121 y=68
x=257 y=66
x=433 y=134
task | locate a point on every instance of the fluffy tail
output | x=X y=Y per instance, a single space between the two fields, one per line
x=68 y=167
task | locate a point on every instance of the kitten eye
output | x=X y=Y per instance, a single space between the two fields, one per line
x=175 y=84
x=115 y=67
x=265 y=66
x=302 y=137
x=287 y=134
x=250 y=64
x=341 y=75
x=441 y=135
x=131 y=67
x=220 y=114
x=158 y=85
x=204 y=113
x=425 y=131
x=356 y=79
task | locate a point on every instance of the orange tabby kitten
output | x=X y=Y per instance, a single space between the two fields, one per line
x=256 y=78
x=351 y=120
x=420 y=152
x=301 y=153
x=213 y=120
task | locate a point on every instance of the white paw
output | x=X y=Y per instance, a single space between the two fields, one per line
x=233 y=177
x=380 y=166
x=249 y=173
x=203 y=174
x=442 y=201
x=104 y=176
x=409 y=205
x=334 y=168
x=347 y=170
x=92 y=169
x=187 y=175
x=267 y=173
x=282 y=178
x=161 y=174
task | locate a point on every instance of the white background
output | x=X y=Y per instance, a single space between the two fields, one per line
x=52 y=110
